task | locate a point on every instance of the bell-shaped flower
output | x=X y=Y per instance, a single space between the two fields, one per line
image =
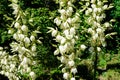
x=32 y=75
x=17 y=25
x=24 y=28
x=73 y=70
x=66 y=76
x=83 y=47
x=62 y=49
x=71 y=63
x=32 y=38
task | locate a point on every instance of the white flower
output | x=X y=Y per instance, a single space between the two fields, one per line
x=95 y=36
x=32 y=38
x=91 y=49
x=62 y=11
x=63 y=59
x=56 y=52
x=66 y=32
x=62 y=49
x=71 y=63
x=93 y=5
x=26 y=60
x=27 y=40
x=86 y=12
x=21 y=36
x=61 y=3
x=99 y=10
x=17 y=25
x=24 y=28
x=66 y=76
x=89 y=10
x=98 y=49
x=66 y=25
x=69 y=20
x=93 y=1
x=83 y=47
x=95 y=10
x=99 y=3
x=105 y=7
x=57 y=21
x=69 y=3
x=33 y=48
x=99 y=30
x=63 y=41
x=1 y=48
x=74 y=70
x=59 y=38
x=28 y=69
x=72 y=31
x=72 y=78
x=15 y=36
x=106 y=24
x=33 y=75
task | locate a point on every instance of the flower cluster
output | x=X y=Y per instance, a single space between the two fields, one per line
x=68 y=23
x=8 y=64
x=24 y=45
x=96 y=14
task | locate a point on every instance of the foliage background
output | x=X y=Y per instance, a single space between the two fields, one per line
x=43 y=13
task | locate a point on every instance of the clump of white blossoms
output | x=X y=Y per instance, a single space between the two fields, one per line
x=8 y=65
x=24 y=45
x=68 y=23
x=96 y=13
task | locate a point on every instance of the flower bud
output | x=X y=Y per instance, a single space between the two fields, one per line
x=106 y=24
x=105 y=7
x=56 y=52
x=24 y=28
x=54 y=33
